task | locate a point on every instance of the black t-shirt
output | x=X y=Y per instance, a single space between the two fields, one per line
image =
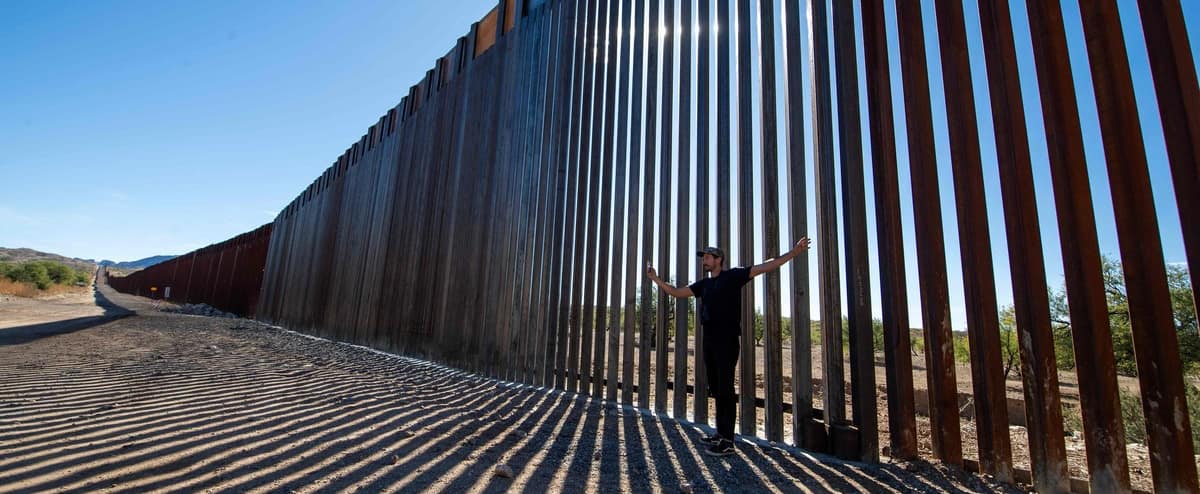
x=721 y=298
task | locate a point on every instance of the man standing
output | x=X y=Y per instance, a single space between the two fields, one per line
x=721 y=314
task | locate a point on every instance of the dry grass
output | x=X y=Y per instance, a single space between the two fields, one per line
x=30 y=290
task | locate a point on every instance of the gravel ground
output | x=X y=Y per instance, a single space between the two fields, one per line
x=170 y=402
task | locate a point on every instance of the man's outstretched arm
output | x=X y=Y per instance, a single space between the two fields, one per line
x=773 y=264
x=684 y=292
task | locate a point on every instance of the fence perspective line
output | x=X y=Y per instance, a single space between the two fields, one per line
x=500 y=217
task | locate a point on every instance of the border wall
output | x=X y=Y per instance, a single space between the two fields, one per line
x=226 y=275
x=500 y=217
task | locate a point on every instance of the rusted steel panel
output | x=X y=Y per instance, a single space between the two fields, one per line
x=182 y=280
x=1155 y=342
x=510 y=13
x=854 y=208
x=1107 y=465
x=931 y=253
x=683 y=254
x=833 y=375
x=902 y=424
x=747 y=412
x=1081 y=255
x=983 y=325
x=702 y=165
x=486 y=32
x=1178 y=94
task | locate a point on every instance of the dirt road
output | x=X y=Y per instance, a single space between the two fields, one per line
x=160 y=402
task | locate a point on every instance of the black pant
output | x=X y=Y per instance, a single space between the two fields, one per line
x=721 y=352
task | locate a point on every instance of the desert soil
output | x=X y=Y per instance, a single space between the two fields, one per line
x=166 y=402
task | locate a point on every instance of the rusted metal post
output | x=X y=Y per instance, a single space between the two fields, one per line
x=802 y=412
x=703 y=215
x=1090 y=329
x=902 y=425
x=747 y=411
x=931 y=253
x=651 y=334
x=983 y=322
x=622 y=163
x=684 y=257
x=772 y=312
x=572 y=41
x=589 y=279
x=634 y=264
x=854 y=209
x=666 y=21
x=579 y=149
x=603 y=157
x=1155 y=341
x=833 y=375
x=603 y=258
x=1178 y=94
x=1043 y=407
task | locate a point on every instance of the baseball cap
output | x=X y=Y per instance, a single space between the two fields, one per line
x=711 y=250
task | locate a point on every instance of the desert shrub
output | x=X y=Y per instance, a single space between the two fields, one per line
x=962 y=348
x=10 y=287
x=1131 y=416
x=32 y=272
x=1135 y=421
x=43 y=274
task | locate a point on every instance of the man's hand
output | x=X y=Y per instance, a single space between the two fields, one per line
x=802 y=245
x=662 y=285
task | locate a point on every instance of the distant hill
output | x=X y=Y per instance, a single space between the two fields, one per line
x=22 y=255
x=138 y=264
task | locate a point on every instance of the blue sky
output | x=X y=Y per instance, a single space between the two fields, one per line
x=138 y=128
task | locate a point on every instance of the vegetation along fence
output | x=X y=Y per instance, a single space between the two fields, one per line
x=1000 y=178
x=227 y=275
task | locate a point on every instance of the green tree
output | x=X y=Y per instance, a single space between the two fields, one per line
x=1182 y=305
x=1010 y=351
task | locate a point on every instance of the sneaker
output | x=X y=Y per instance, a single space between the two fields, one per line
x=724 y=447
x=710 y=440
